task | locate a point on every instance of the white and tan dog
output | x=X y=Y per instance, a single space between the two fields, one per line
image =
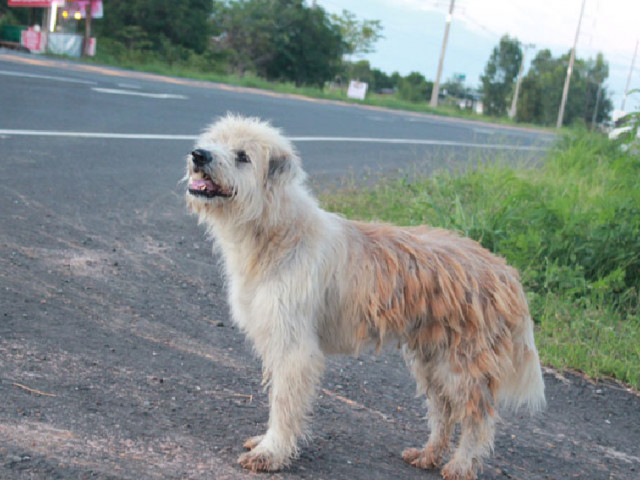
x=304 y=283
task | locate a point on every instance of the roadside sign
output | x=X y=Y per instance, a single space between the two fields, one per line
x=357 y=90
x=32 y=40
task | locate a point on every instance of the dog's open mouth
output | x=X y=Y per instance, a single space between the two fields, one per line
x=206 y=187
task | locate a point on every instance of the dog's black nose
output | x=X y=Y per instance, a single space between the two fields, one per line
x=201 y=157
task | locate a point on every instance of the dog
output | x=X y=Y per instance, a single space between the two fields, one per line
x=304 y=283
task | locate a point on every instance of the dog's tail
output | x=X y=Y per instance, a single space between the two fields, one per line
x=525 y=385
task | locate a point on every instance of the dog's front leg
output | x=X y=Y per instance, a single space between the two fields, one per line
x=294 y=376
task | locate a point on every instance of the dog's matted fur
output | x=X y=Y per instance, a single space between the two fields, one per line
x=304 y=283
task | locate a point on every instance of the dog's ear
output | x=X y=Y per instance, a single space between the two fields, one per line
x=284 y=168
x=279 y=165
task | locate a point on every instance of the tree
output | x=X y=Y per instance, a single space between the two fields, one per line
x=382 y=81
x=359 y=36
x=455 y=86
x=309 y=47
x=541 y=90
x=414 y=88
x=499 y=75
x=543 y=84
x=15 y=16
x=596 y=95
x=281 y=40
x=361 y=71
x=185 y=24
x=246 y=29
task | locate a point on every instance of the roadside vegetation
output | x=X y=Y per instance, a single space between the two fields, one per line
x=571 y=227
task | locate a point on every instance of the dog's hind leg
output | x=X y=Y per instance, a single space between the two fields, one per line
x=441 y=424
x=294 y=379
x=476 y=440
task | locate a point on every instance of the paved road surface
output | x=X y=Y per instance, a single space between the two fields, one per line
x=62 y=97
x=117 y=356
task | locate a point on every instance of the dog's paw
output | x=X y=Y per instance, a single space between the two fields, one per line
x=425 y=458
x=457 y=470
x=260 y=460
x=252 y=442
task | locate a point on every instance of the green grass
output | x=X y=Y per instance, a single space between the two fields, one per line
x=571 y=227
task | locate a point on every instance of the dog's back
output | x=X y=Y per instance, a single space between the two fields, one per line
x=445 y=296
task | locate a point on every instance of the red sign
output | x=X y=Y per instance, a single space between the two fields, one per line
x=32 y=3
x=32 y=40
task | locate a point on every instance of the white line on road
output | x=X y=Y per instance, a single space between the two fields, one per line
x=124 y=136
x=418 y=141
x=128 y=85
x=152 y=136
x=46 y=77
x=116 y=91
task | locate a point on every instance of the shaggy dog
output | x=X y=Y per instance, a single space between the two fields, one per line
x=304 y=283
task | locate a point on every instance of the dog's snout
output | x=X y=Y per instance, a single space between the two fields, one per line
x=201 y=157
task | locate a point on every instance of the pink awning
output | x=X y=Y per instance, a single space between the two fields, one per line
x=33 y=3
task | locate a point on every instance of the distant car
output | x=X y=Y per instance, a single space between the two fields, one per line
x=622 y=124
x=617 y=132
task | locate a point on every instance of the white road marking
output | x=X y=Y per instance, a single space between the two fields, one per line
x=116 y=91
x=128 y=85
x=154 y=136
x=419 y=141
x=46 y=77
x=484 y=131
x=125 y=136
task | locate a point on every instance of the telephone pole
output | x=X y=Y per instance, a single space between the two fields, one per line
x=436 y=84
x=565 y=92
x=87 y=28
x=626 y=90
x=514 y=102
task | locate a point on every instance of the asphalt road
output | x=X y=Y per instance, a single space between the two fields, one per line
x=48 y=96
x=117 y=356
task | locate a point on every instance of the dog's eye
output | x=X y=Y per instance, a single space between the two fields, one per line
x=242 y=157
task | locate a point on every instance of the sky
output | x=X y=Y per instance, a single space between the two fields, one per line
x=413 y=31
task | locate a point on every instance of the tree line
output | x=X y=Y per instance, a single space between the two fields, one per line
x=542 y=86
x=280 y=40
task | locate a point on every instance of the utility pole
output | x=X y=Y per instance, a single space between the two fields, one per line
x=87 y=28
x=514 y=102
x=436 y=84
x=595 y=110
x=626 y=90
x=565 y=92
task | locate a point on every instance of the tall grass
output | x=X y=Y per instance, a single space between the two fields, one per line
x=571 y=227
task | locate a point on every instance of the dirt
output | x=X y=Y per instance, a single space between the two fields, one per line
x=118 y=360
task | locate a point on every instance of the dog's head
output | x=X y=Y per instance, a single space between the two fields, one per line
x=239 y=166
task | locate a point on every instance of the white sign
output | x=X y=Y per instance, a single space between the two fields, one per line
x=357 y=90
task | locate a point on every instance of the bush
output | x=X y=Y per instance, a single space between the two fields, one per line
x=414 y=88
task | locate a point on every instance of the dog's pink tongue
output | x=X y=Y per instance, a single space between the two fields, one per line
x=201 y=184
